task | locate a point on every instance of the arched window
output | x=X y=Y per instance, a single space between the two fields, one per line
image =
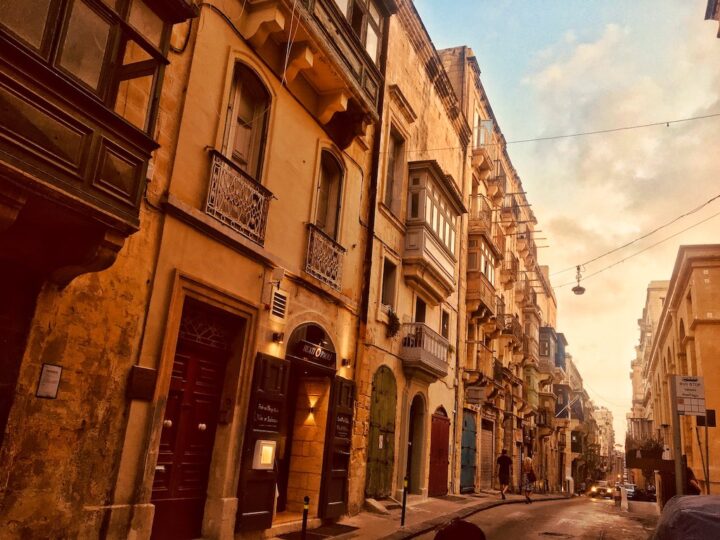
x=329 y=192
x=245 y=130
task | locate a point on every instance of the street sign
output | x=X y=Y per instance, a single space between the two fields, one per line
x=690 y=395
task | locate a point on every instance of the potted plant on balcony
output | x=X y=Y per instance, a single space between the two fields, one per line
x=393 y=324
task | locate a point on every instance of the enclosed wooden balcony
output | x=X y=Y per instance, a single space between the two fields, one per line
x=481 y=299
x=424 y=352
x=79 y=93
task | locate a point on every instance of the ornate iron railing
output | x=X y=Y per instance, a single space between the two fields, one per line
x=324 y=257
x=237 y=200
x=480 y=214
x=513 y=327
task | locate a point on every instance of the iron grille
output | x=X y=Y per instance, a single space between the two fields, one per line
x=237 y=200
x=324 y=257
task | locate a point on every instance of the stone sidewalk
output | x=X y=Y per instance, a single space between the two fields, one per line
x=425 y=515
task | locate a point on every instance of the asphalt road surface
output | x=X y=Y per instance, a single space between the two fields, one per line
x=578 y=518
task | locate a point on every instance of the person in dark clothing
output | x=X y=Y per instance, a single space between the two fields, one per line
x=692 y=486
x=457 y=529
x=504 y=467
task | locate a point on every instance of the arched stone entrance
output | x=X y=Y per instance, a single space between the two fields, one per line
x=381 y=438
x=416 y=443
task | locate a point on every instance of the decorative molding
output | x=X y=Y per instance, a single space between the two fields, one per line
x=402 y=103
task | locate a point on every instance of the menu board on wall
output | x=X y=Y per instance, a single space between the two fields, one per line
x=266 y=416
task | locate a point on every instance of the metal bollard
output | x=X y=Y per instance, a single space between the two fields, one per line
x=306 y=506
x=402 y=516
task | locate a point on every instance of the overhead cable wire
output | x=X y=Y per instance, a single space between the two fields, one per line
x=641 y=251
x=650 y=233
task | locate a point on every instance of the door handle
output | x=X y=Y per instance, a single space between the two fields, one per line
x=202 y=427
x=167 y=423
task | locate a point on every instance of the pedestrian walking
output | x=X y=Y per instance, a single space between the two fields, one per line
x=528 y=477
x=504 y=467
x=692 y=486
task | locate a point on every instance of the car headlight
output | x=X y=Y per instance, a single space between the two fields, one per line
x=594 y=489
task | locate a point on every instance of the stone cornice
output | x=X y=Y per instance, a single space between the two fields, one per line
x=424 y=48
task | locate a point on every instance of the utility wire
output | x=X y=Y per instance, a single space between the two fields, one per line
x=650 y=233
x=641 y=251
x=613 y=130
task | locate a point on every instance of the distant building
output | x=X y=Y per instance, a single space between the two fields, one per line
x=713 y=12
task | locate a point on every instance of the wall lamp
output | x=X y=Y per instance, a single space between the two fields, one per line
x=278 y=337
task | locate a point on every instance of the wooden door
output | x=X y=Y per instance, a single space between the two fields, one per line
x=336 y=462
x=487 y=453
x=266 y=415
x=468 y=452
x=439 y=454
x=381 y=439
x=186 y=442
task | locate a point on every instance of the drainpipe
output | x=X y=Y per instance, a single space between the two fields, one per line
x=461 y=327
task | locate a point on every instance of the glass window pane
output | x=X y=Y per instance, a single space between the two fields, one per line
x=145 y=21
x=133 y=100
x=26 y=19
x=374 y=12
x=83 y=50
x=371 y=43
x=343 y=5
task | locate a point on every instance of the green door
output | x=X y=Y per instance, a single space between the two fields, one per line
x=381 y=441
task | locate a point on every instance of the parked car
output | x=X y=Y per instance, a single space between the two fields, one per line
x=693 y=516
x=632 y=492
x=601 y=489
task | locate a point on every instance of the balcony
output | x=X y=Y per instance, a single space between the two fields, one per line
x=522 y=290
x=327 y=68
x=75 y=132
x=510 y=269
x=480 y=298
x=526 y=245
x=480 y=218
x=324 y=257
x=497 y=183
x=497 y=371
x=530 y=348
x=484 y=147
x=237 y=200
x=513 y=329
x=510 y=212
x=424 y=352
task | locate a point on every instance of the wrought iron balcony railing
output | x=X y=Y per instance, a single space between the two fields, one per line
x=237 y=200
x=424 y=349
x=513 y=327
x=480 y=215
x=324 y=257
x=510 y=268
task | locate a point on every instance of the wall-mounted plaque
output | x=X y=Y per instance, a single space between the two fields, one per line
x=49 y=381
x=343 y=423
x=266 y=416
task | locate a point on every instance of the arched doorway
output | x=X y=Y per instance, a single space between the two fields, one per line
x=301 y=407
x=439 y=453
x=468 y=452
x=381 y=439
x=416 y=438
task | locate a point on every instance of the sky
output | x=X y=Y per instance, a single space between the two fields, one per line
x=556 y=67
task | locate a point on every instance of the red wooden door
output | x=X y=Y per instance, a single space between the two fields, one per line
x=439 y=455
x=186 y=443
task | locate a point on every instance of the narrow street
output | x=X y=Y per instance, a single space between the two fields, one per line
x=582 y=517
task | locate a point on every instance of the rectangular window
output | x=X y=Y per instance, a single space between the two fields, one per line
x=394 y=173
x=544 y=347
x=420 y=308
x=388 y=283
x=445 y=324
x=415 y=205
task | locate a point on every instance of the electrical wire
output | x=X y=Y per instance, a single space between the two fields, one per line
x=650 y=233
x=639 y=252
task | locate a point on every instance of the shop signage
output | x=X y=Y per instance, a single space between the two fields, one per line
x=343 y=423
x=267 y=416
x=311 y=352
